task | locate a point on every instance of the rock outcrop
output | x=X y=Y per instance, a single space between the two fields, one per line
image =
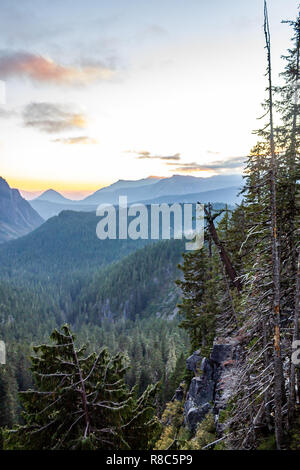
x=214 y=380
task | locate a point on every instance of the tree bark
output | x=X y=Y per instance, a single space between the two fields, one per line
x=231 y=272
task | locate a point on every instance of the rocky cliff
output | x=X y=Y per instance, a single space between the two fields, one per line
x=213 y=382
x=17 y=217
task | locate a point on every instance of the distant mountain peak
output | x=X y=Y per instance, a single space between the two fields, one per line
x=52 y=196
x=51 y=191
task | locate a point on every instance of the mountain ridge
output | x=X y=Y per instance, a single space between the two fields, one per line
x=174 y=187
x=176 y=184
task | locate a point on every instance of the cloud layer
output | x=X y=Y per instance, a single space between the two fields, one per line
x=45 y=70
x=219 y=165
x=145 y=155
x=76 y=140
x=52 y=118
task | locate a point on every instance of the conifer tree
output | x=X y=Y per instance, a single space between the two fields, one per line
x=82 y=402
x=198 y=306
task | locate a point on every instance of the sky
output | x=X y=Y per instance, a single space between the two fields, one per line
x=100 y=90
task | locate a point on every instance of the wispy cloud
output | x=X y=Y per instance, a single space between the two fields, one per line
x=218 y=166
x=145 y=155
x=84 y=140
x=44 y=70
x=52 y=118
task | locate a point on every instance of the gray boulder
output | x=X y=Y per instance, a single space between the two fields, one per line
x=193 y=361
x=202 y=388
x=195 y=414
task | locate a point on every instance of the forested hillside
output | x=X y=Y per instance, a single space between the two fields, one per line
x=67 y=246
x=147 y=277
x=64 y=244
x=112 y=307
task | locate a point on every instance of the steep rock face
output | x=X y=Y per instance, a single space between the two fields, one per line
x=214 y=381
x=17 y=217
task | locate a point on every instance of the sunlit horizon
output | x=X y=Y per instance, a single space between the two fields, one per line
x=32 y=189
x=103 y=91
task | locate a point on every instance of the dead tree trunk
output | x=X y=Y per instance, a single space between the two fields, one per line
x=229 y=268
x=293 y=160
x=278 y=378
